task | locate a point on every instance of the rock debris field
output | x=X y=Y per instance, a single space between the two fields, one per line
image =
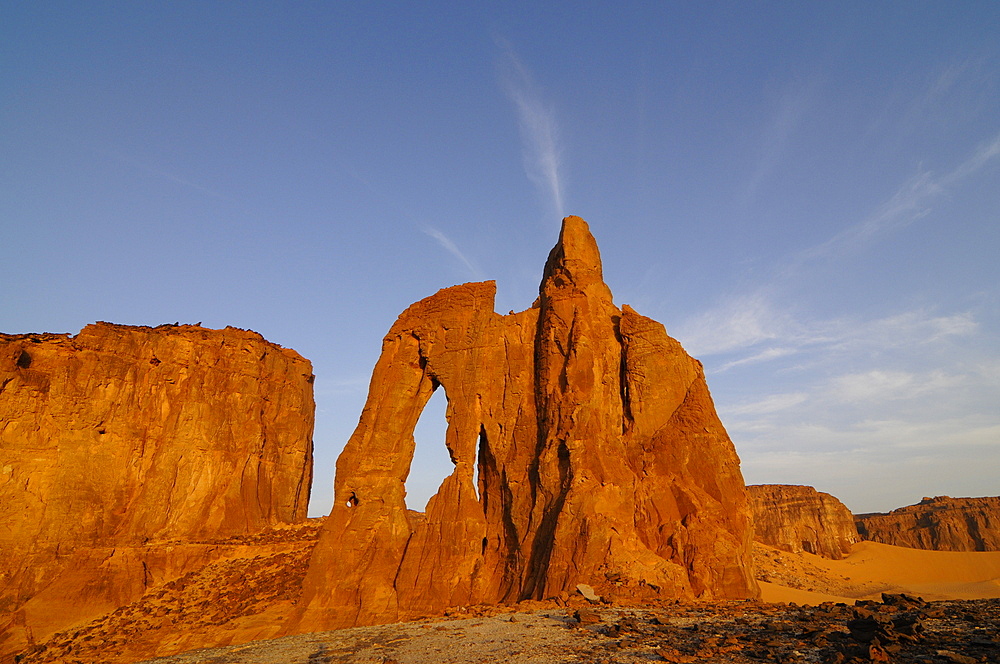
x=900 y=628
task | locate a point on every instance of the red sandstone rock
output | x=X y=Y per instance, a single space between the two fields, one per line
x=940 y=524
x=242 y=593
x=800 y=518
x=601 y=460
x=121 y=436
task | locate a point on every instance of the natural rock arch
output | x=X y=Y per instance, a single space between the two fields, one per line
x=601 y=460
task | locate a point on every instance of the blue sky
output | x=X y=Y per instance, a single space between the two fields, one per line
x=807 y=195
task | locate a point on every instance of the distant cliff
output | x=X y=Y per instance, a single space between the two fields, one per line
x=940 y=524
x=800 y=518
x=124 y=435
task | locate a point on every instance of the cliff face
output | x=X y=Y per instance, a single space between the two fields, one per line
x=800 y=518
x=940 y=524
x=600 y=460
x=124 y=435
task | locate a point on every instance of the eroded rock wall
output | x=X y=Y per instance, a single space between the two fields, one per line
x=122 y=435
x=600 y=459
x=940 y=524
x=800 y=518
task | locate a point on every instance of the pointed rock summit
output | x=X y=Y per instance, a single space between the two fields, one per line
x=601 y=461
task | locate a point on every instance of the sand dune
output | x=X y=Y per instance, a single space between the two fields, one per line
x=873 y=568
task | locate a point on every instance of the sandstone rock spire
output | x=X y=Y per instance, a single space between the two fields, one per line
x=601 y=460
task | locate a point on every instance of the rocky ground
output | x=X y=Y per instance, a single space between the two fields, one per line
x=244 y=598
x=900 y=628
x=243 y=595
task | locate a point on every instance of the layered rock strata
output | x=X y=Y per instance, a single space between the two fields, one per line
x=940 y=523
x=600 y=458
x=121 y=436
x=800 y=518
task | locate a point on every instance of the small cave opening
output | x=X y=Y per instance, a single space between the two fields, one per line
x=431 y=461
x=23 y=359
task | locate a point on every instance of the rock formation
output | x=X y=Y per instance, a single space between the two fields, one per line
x=600 y=458
x=121 y=436
x=940 y=524
x=242 y=593
x=800 y=518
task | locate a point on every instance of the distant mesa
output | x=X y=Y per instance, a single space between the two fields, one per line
x=940 y=523
x=801 y=519
x=601 y=461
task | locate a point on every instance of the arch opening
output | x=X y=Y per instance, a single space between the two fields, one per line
x=431 y=461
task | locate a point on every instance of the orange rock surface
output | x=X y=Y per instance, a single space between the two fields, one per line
x=800 y=518
x=242 y=593
x=122 y=436
x=600 y=458
x=940 y=524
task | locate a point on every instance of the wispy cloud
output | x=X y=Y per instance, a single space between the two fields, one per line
x=124 y=158
x=745 y=321
x=907 y=204
x=453 y=249
x=757 y=330
x=740 y=322
x=916 y=327
x=770 y=404
x=877 y=462
x=539 y=130
x=790 y=109
x=985 y=153
x=884 y=384
x=763 y=356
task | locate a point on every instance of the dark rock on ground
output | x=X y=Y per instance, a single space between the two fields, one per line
x=900 y=629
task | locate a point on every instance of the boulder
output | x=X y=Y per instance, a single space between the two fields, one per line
x=600 y=459
x=800 y=518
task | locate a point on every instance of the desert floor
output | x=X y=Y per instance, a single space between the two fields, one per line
x=813 y=610
x=872 y=569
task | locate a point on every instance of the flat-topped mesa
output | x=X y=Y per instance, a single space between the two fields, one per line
x=124 y=435
x=600 y=459
x=940 y=523
x=800 y=518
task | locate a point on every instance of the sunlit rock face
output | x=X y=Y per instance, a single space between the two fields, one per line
x=800 y=518
x=122 y=436
x=600 y=457
x=940 y=523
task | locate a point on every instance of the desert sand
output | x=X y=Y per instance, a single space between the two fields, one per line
x=873 y=568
